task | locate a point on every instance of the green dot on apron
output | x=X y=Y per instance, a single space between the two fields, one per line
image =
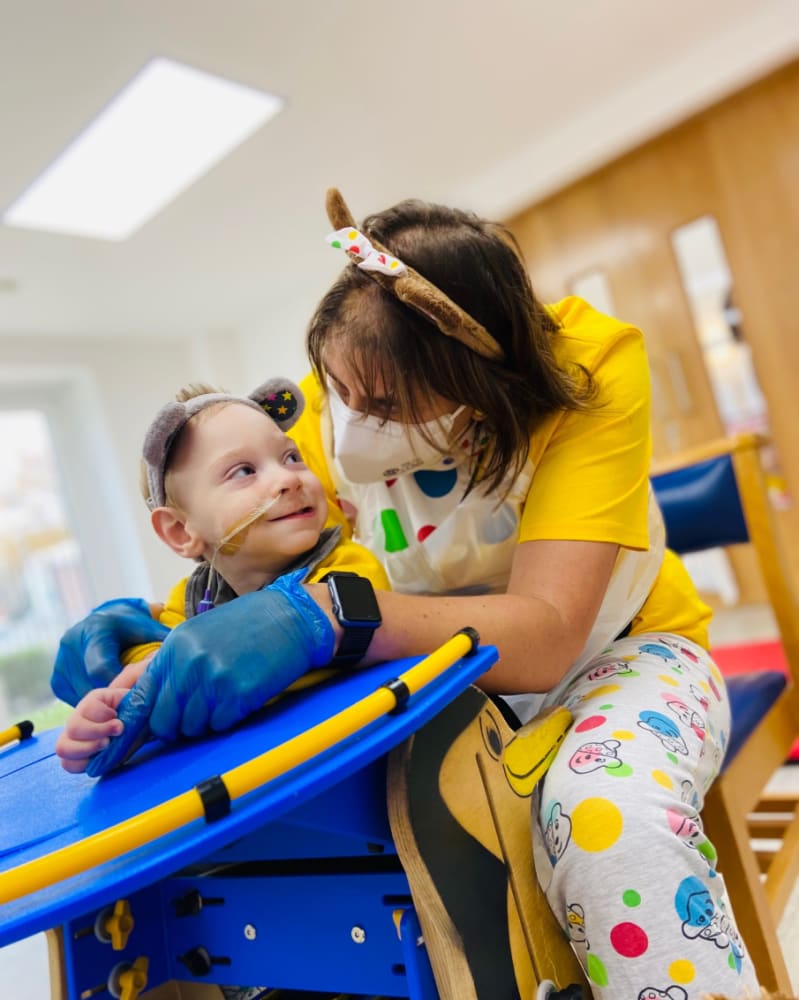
x=392 y=530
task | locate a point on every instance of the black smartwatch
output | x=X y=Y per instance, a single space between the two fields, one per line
x=357 y=612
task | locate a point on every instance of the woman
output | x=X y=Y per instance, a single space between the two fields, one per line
x=494 y=453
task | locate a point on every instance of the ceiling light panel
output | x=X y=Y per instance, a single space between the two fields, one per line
x=167 y=127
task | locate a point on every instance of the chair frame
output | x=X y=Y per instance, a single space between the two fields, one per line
x=735 y=798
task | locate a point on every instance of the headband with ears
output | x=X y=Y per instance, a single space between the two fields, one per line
x=278 y=398
x=408 y=285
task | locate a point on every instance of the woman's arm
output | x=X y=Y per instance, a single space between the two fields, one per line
x=539 y=626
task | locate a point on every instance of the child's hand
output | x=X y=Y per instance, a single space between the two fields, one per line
x=89 y=728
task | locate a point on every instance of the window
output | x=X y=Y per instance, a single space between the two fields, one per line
x=43 y=587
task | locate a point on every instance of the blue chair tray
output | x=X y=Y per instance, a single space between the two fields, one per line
x=45 y=809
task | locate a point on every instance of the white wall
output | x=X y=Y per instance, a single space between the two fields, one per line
x=275 y=345
x=100 y=395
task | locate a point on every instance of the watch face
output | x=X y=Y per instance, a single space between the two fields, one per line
x=357 y=601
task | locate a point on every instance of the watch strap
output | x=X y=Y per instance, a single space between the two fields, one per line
x=353 y=645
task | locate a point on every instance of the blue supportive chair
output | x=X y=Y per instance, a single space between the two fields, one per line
x=713 y=496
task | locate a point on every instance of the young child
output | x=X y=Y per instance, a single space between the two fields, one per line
x=228 y=488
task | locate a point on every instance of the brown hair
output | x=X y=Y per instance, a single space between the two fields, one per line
x=479 y=265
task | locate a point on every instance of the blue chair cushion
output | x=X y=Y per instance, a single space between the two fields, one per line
x=751 y=696
x=701 y=505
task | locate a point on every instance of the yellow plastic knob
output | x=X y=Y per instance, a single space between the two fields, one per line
x=119 y=925
x=133 y=979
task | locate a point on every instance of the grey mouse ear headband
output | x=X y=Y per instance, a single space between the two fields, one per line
x=408 y=285
x=278 y=398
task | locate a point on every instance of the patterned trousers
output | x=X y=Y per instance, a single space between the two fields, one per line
x=620 y=850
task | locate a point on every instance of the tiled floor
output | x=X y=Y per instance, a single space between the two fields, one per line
x=23 y=966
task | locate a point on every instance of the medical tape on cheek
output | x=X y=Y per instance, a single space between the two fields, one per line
x=228 y=545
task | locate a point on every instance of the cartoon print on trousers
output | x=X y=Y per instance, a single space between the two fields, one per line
x=688 y=793
x=700 y=697
x=672 y=992
x=575 y=924
x=691 y=834
x=557 y=832
x=595 y=756
x=681 y=648
x=715 y=752
x=702 y=919
x=616 y=668
x=664 y=729
x=686 y=715
x=657 y=649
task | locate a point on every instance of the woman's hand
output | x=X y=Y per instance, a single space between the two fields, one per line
x=89 y=652
x=218 y=667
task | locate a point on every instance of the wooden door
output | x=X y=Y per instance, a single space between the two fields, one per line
x=739 y=163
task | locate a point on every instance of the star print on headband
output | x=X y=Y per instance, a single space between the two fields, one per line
x=280 y=406
x=355 y=243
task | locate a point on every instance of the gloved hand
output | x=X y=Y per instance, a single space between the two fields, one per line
x=88 y=654
x=218 y=667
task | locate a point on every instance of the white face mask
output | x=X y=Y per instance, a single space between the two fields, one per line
x=369 y=449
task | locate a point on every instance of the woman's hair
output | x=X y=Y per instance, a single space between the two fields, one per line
x=183 y=395
x=479 y=265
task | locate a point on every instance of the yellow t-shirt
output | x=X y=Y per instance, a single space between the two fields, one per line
x=590 y=469
x=347 y=556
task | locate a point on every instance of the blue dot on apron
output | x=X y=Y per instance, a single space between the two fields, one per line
x=500 y=525
x=436 y=484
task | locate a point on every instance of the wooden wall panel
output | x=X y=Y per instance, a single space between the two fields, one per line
x=738 y=161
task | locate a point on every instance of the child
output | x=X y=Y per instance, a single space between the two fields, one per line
x=225 y=487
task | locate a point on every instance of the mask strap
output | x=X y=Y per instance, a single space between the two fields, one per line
x=406 y=284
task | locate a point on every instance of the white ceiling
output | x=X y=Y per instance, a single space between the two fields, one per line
x=487 y=104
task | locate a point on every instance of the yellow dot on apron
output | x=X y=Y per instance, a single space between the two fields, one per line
x=596 y=824
x=668 y=680
x=663 y=779
x=715 y=671
x=682 y=971
x=622 y=734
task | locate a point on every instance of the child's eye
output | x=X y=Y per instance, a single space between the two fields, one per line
x=242 y=470
x=293 y=458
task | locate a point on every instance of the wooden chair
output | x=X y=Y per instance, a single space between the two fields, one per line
x=712 y=496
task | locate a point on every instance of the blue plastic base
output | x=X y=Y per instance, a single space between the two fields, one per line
x=314 y=863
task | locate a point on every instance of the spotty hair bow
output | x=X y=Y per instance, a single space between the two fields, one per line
x=355 y=243
x=406 y=284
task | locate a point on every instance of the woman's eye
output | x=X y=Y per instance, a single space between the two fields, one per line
x=386 y=411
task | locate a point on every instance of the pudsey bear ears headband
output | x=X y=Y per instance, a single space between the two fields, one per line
x=406 y=284
x=278 y=398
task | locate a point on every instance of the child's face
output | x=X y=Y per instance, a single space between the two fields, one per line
x=230 y=462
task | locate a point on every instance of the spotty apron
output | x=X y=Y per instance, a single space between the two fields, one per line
x=433 y=540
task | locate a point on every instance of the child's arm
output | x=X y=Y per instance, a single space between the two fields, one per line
x=171 y=613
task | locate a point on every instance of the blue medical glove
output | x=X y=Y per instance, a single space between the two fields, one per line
x=219 y=667
x=89 y=652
